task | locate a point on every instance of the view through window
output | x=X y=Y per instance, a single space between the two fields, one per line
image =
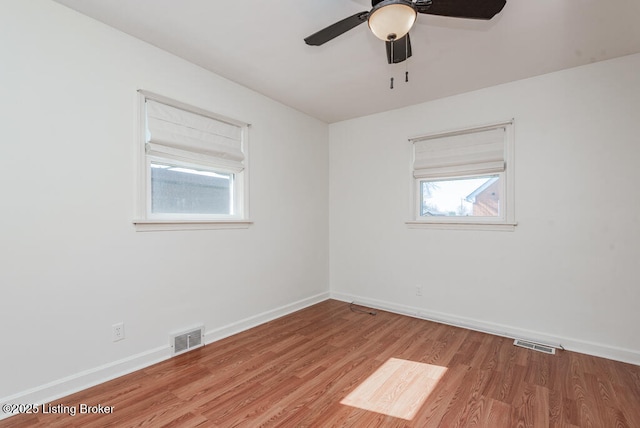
x=176 y=189
x=472 y=196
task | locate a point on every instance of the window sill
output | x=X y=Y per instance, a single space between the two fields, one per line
x=502 y=227
x=159 y=225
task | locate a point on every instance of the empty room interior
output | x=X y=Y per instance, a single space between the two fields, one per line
x=207 y=221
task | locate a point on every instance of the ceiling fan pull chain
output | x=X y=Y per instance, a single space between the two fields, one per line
x=391 y=87
x=406 y=76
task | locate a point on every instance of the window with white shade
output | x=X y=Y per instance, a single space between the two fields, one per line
x=192 y=167
x=464 y=178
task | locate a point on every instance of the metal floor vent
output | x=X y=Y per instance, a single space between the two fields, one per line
x=535 y=346
x=187 y=340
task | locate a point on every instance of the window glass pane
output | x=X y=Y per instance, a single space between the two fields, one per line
x=177 y=189
x=469 y=196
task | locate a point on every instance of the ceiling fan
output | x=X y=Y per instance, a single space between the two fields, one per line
x=391 y=20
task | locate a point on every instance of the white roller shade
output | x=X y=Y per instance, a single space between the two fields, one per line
x=469 y=153
x=183 y=135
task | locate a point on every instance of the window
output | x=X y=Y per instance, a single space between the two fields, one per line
x=192 y=168
x=464 y=179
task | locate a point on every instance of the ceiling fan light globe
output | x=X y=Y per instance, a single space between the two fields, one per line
x=392 y=19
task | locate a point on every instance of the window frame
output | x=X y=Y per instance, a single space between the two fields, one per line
x=505 y=222
x=144 y=219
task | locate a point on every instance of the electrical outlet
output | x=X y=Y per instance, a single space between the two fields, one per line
x=418 y=290
x=117 y=331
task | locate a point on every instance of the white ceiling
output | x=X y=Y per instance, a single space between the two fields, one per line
x=259 y=44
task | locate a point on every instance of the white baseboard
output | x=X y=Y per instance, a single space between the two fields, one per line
x=256 y=320
x=570 y=344
x=77 y=382
x=88 y=378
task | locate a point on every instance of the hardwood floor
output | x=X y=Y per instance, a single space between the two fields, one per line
x=295 y=371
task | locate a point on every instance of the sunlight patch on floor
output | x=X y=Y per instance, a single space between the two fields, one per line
x=398 y=388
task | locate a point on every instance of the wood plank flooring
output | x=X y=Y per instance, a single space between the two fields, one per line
x=295 y=371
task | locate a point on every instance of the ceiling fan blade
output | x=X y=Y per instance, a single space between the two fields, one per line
x=333 y=31
x=398 y=50
x=476 y=9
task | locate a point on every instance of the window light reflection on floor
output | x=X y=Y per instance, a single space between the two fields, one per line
x=398 y=388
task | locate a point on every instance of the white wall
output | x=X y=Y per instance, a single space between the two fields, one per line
x=567 y=274
x=72 y=263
